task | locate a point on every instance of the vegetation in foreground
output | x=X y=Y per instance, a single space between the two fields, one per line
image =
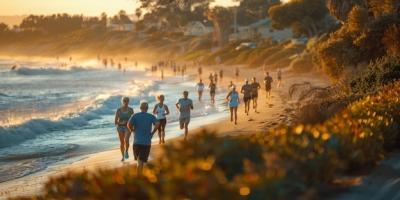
x=284 y=163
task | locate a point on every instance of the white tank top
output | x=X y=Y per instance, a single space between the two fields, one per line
x=160 y=111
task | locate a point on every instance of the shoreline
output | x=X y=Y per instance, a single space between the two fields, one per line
x=272 y=112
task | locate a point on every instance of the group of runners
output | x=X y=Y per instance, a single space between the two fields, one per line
x=145 y=125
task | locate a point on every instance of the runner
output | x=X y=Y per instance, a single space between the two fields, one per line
x=121 y=118
x=254 y=93
x=221 y=74
x=215 y=77
x=231 y=85
x=246 y=91
x=211 y=77
x=234 y=100
x=161 y=111
x=268 y=85
x=213 y=88
x=141 y=124
x=200 y=71
x=279 y=77
x=200 y=89
x=237 y=72
x=184 y=105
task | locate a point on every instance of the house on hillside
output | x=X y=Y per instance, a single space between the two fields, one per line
x=197 y=28
x=260 y=29
x=120 y=26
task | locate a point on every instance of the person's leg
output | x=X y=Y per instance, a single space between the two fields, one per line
x=127 y=137
x=255 y=103
x=164 y=124
x=181 y=124
x=186 y=129
x=140 y=167
x=159 y=134
x=121 y=136
x=231 y=110
x=235 y=110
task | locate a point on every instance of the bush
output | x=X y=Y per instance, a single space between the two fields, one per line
x=378 y=74
x=281 y=164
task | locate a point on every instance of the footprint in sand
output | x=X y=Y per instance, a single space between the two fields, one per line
x=270 y=105
x=250 y=120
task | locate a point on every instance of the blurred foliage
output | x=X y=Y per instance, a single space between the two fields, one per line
x=369 y=31
x=379 y=73
x=282 y=164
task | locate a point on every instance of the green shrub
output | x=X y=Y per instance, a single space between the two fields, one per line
x=378 y=74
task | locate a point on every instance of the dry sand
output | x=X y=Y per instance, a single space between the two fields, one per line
x=271 y=112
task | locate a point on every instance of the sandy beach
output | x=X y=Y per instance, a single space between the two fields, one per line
x=271 y=112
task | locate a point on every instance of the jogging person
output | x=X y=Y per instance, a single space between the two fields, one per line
x=141 y=124
x=121 y=119
x=200 y=89
x=234 y=100
x=279 y=77
x=184 y=105
x=268 y=84
x=237 y=72
x=161 y=111
x=255 y=86
x=213 y=88
x=246 y=91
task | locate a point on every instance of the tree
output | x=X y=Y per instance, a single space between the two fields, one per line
x=391 y=40
x=304 y=16
x=222 y=20
x=3 y=28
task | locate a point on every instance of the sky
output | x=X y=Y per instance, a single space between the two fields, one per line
x=85 y=7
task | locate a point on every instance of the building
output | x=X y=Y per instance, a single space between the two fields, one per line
x=125 y=26
x=260 y=29
x=196 y=28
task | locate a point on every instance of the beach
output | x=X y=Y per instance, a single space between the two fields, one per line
x=279 y=109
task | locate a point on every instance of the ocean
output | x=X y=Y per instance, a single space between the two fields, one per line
x=50 y=114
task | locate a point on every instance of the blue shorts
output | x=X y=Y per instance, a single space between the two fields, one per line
x=122 y=129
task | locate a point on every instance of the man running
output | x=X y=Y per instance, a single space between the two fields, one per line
x=141 y=124
x=161 y=111
x=255 y=86
x=237 y=72
x=268 y=85
x=184 y=105
x=246 y=91
x=200 y=89
x=213 y=88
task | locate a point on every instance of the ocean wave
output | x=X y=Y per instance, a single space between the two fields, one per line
x=48 y=71
x=10 y=136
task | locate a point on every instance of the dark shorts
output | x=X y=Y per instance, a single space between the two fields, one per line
x=163 y=122
x=254 y=96
x=246 y=99
x=268 y=88
x=141 y=152
x=212 y=93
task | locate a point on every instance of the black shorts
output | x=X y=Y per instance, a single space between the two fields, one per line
x=162 y=122
x=212 y=93
x=254 y=96
x=246 y=99
x=141 y=152
x=267 y=88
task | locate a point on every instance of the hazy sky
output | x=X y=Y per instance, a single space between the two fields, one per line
x=86 y=7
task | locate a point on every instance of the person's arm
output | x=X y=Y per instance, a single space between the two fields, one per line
x=154 y=110
x=229 y=94
x=166 y=110
x=177 y=105
x=259 y=86
x=116 y=117
x=191 y=105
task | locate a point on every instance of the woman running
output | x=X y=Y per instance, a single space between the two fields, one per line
x=121 y=119
x=161 y=111
x=234 y=100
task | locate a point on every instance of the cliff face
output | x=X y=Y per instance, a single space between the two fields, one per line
x=341 y=8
